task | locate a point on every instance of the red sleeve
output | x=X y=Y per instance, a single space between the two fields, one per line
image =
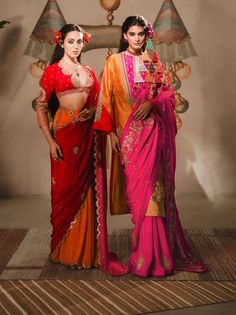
x=47 y=84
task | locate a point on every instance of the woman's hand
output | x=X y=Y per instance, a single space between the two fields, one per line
x=115 y=143
x=143 y=111
x=86 y=114
x=56 y=151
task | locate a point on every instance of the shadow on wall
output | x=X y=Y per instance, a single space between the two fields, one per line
x=8 y=44
x=186 y=172
x=217 y=51
x=11 y=81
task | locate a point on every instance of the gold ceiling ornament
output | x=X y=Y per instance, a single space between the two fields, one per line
x=37 y=68
x=177 y=71
x=182 y=70
x=110 y=6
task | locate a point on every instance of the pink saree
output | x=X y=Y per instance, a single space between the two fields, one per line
x=147 y=157
x=158 y=243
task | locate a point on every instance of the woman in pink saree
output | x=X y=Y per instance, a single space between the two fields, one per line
x=136 y=107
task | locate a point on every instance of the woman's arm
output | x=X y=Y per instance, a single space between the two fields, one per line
x=104 y=117
x=47 y=84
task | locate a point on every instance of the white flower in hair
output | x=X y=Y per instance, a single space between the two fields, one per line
x=142 y=18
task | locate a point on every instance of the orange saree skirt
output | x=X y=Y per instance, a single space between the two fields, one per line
x=73 y=216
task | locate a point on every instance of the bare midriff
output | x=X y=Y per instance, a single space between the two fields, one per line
x=71 y=104
x=74 y=99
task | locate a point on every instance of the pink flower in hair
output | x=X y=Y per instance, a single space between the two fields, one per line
x=150 y=30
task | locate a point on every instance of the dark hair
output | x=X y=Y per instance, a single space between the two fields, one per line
x=131 y=21
x=58 y=53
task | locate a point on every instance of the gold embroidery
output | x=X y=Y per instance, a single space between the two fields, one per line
x=99 y=106
x=133 y=137
x=156 y=204
x=76 y=150
x=41 y=98
x=165 y=262
x=140 y=262
x=75 y=71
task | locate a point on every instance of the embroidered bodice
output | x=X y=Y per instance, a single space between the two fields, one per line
x=60 y=78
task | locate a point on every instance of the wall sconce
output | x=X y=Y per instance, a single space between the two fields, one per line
x=172 y=43
x=41 y=42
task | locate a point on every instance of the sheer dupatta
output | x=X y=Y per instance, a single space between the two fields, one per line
x=145 y=145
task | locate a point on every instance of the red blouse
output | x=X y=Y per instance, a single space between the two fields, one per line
x=56 y=80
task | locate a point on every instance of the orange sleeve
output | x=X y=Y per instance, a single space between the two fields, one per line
x=104 y=118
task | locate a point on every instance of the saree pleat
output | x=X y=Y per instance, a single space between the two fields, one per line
x=78 y=198
x=147 y=157
x=152 y=255
x=72 y=189
x=79 y=247
x=158 y=244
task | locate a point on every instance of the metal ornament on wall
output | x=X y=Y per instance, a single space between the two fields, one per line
x=3 y=23
x=41 y=42
x=172 y=43
x=171 y=38
x=110 y=6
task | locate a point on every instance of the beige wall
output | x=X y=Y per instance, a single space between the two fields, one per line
x=206 y=148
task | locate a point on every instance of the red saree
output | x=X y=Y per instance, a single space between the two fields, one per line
x=78 y=198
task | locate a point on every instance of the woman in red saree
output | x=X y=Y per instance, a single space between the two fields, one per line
x=136 y=107
x=69 y=91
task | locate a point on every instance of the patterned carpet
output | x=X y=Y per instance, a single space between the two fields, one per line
x=31 y=285
x=24 y=255
x=103 y=297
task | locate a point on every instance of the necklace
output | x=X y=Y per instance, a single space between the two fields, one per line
x=70 y=68
x=79 y=74
x=133 y=53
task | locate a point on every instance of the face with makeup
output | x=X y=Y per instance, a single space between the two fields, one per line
x=73 y=44
x=135 y=38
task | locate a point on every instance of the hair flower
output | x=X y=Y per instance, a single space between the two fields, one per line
x=57 y=37
x=87 y=37
x=150 y=30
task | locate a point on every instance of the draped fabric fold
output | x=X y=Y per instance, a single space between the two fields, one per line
x=78 y=193
x=158 y=244
x=147 y=154
x=70 y=178
x=83 y=167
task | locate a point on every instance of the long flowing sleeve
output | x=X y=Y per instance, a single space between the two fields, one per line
x=104 y=118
